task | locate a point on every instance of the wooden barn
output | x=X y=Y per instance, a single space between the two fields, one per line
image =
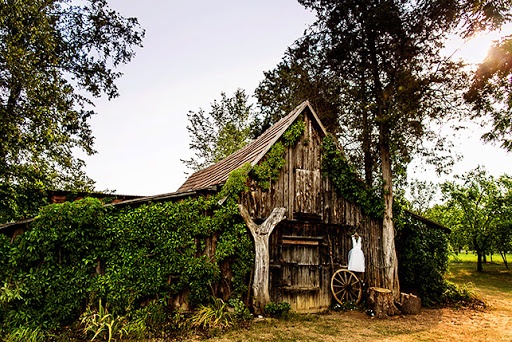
x=313 y=238
x=302 y=229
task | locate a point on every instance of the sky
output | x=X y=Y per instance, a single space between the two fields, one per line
x=193 y=51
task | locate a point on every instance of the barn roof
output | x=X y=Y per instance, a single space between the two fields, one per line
x=218 y=173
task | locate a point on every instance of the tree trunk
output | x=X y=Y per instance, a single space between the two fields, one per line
x=479 y=267
x=261 y=234
x=504 y=257
x=390 y=280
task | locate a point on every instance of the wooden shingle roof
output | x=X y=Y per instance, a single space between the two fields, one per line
x=218 y=173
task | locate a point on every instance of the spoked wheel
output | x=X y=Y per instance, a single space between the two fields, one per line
x=346 y=287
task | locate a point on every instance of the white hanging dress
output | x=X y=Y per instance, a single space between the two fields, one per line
x=356 y=256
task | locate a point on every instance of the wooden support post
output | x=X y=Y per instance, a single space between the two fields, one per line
x=261 y=234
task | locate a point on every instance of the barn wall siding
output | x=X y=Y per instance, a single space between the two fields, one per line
x=314 y=240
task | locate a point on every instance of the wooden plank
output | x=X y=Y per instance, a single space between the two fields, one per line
x=303 y=237
x=300 y=242
x=300 y=288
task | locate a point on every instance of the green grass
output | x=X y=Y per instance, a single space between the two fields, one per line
x=495 y=278
x=493 y=286
x=471 y=257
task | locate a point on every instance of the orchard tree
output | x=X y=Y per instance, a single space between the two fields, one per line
x=482 y=206
x=55 y=57
x=220 y=132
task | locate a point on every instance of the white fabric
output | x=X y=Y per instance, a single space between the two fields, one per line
x=356 y=256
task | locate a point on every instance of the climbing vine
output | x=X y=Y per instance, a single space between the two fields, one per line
x=77 y=253
x=293 y=133
x=347 y=182
x=268 y=170
x=422 y=251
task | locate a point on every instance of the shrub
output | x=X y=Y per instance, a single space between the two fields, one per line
x=277 y=309
x=241 y=311
x=422 y=258
x=214 y=316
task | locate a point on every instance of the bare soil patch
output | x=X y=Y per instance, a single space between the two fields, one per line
x=492 y=323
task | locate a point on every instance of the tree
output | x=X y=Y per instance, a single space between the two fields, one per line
x=55 y=56
x=491 y=92
x=291 y=83
x=479 y=202
x=222 y=131
x=386 y=57
x=387 y=54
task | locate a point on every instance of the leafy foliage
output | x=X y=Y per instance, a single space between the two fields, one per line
x=222 y=131
x=53 y=56
x=78 y=253
x=291 y=83
x=274 y=309
x=423 y=258
x=491 y=93
x=294 y=132
x=346 y=181
x=268 y=170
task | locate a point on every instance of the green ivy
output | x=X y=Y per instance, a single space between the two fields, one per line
x=422 y=251
x=237 y=182
x=294 y=132
x=347 y=182
x=268 y=170
x=422 y=258
x=151 y=251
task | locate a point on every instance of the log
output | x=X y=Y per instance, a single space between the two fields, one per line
x=381 y=301
x=410 y=304
x=261 y=234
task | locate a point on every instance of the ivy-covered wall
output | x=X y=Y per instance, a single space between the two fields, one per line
x=76 y=253
x=422 y=251
x=422 y=259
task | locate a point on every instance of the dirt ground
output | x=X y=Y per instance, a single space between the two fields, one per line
x=492 y=323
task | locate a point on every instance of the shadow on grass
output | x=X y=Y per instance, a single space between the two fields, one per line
x=494 y=279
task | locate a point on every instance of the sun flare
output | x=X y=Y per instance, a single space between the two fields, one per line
x=475 y=49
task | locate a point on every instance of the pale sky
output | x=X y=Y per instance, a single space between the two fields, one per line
x=193 y=51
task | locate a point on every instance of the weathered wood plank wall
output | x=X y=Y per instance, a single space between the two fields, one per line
x=315 y=238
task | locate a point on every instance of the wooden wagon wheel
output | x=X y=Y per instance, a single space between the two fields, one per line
x=346 y=287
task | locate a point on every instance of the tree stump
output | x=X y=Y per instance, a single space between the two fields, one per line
x=381 y=301
x=410 y=304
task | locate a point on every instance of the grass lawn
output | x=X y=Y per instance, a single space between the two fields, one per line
x=471 y=257
x=494 y=323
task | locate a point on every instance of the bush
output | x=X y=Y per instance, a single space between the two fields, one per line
x=422 y=258
x=277 y=310
x=75 y=253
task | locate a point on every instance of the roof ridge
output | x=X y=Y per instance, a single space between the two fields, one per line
x=253 y=152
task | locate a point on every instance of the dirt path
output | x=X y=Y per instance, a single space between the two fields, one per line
x=493 y=323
